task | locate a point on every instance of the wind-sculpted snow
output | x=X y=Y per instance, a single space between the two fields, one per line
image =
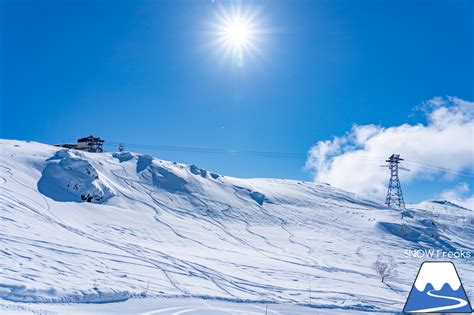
x=166 y=229
x=123 y=156
x=68 y=177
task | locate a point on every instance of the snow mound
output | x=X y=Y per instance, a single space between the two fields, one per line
x=441 y=206
x=258 y=197
x=68 y=177
x=198 y=171
x=123 y=156
x=21 y=293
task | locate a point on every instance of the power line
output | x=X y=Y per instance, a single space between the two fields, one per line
x=443 y=169
x=231 y=152
x=289 y=155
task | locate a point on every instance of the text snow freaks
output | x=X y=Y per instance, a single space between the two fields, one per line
x=438 y=253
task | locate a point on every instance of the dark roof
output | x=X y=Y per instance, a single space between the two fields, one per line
x=90 y=139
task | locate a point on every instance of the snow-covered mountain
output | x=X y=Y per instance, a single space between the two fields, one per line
x=90 y=227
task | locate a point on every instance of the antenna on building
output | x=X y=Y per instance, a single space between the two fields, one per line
x=121 y=147
x=394 y=197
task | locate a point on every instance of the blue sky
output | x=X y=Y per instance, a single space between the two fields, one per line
x=146 y=72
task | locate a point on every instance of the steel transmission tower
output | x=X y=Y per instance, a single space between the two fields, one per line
x=394 y=197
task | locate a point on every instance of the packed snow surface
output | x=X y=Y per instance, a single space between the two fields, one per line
x=97 y=228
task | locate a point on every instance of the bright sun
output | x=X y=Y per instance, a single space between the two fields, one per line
x=237 y=33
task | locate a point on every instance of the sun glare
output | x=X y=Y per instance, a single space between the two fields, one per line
x=237 y=33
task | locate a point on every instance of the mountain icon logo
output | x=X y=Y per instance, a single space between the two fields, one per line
x=437 y=289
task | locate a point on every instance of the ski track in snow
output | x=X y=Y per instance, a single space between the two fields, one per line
x=210 y=238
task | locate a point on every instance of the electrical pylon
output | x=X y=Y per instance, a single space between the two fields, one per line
x=394 y=197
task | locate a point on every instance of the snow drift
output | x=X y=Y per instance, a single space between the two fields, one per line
x=69 y=177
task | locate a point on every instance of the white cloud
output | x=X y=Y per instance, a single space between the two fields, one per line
x=446 y=139
x=460 y=195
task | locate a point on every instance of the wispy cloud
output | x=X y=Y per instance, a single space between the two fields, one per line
x=461 y=195
x=445 y=140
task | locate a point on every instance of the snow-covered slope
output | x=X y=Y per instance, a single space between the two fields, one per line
x=78 y=226
x=443 y=206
